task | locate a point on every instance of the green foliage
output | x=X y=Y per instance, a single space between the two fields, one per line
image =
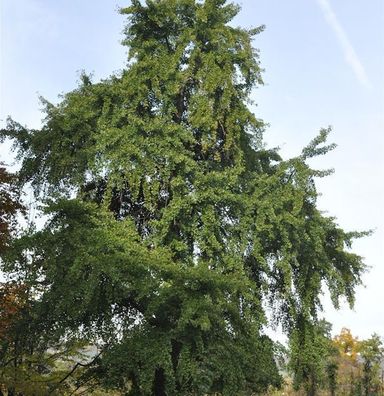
x=170 y=225
x=31 y=363
x=372 y=354
x=311 y=357
x=339 y=366
x=10 y=206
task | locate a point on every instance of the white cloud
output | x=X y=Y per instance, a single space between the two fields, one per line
x=349 y=52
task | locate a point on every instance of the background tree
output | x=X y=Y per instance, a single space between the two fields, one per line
x=372 y=354
x=12 y=294
x=313 y=358
x=182 y=226
x=358 y=364
x=349 y=370
x=10 y=206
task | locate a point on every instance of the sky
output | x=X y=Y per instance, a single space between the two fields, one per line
x=324 y=65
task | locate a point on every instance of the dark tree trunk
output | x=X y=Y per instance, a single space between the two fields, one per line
x=312 y=386
x=159 y=383
x=176 y=349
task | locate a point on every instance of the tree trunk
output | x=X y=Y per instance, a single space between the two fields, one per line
x=159 y=383
x=312 y=386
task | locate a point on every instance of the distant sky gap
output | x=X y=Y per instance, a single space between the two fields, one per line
x=349 y=52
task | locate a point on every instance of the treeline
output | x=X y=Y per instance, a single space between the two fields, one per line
x=340 y=365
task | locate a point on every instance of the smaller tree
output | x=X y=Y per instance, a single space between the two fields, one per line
x=347 y=344
x=12 y=301
x=28 y=365
x=10 y=206
x=312 y=357
x=372 y=353
x=348 y=362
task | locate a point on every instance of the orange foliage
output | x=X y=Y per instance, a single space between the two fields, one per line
x=349 y=365
x=347 y=344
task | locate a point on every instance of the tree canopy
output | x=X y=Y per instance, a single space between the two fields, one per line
x=171 y=228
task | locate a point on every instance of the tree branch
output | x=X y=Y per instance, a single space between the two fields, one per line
x=75 y=367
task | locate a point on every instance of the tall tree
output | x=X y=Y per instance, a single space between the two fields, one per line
x=181 y=226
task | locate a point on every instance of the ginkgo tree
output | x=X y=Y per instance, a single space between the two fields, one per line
x=170 y=226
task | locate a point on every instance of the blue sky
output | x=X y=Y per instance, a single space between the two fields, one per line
x=324 y=65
